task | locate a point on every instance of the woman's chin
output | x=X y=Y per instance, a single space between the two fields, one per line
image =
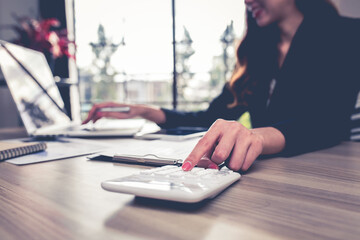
x=262 y=21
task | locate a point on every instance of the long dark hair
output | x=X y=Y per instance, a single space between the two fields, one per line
x=257 y=53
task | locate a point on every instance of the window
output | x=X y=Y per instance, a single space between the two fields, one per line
x=125 y=50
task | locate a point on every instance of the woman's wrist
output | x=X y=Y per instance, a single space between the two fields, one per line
x=152 y=113
x=272 y=139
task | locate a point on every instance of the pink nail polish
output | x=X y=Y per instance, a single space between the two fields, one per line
x=213 y=166
x=186 y=166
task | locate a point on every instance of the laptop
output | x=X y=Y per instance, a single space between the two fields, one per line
x=39 y=102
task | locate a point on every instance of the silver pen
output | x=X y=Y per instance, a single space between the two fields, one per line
x=115 y=109
x=148 y=159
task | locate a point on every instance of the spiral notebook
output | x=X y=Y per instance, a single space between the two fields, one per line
x=16 y=149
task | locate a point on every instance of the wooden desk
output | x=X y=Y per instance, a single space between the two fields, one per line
x=312 y=196
x=9 y=133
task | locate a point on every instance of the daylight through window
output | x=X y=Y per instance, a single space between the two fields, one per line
x=125 y=50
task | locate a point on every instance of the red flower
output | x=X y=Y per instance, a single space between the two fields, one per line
x=40 y=36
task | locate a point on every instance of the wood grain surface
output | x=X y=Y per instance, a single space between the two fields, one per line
x=311 y=196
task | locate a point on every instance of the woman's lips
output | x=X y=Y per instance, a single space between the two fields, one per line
x=256 y=12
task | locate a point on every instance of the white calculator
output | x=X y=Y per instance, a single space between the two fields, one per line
x=172 y=183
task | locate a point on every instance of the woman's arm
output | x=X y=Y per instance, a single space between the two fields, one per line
x=172 y=118
x=150 y=113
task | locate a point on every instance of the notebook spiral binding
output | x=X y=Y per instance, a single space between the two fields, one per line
x=21 y=150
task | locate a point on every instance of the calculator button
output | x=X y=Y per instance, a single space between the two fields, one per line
x=172 y=183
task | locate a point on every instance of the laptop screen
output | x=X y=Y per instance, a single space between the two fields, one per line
x=39 y=106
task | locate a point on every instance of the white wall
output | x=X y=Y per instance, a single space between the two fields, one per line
x=8 y=113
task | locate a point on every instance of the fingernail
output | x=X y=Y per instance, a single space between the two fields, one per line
x=213 y=166
x=186 y=166
x=205 y=158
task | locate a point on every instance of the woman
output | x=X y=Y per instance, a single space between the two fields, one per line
x=295 y=74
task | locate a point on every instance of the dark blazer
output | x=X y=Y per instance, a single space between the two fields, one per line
x=315 y=91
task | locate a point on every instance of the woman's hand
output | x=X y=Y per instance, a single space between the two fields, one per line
x=148 y=112
x=232 y=142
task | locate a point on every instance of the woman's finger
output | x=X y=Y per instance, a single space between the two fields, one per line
x=91 y=114
x=254 y=151
x=94 y=111
x=239 y=153
x=226 y=143
x=207 y=163
x=204 y=146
